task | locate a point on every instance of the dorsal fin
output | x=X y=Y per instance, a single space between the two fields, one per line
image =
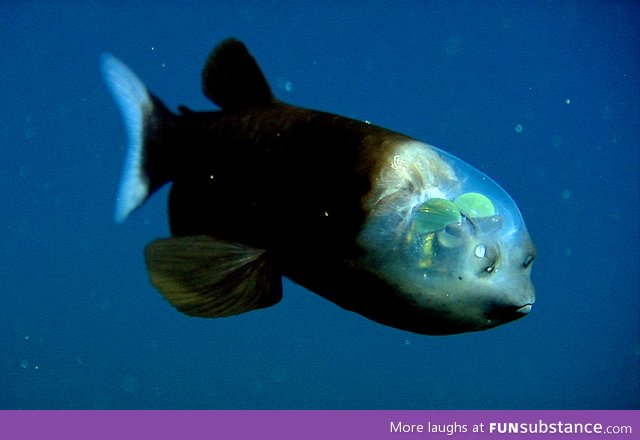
x=232 y=79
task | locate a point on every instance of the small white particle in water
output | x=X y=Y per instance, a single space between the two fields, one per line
x=285 y=84
x=565 y=194
x=367 y=122
x=26 y=338
x=407 y=342
x=519 y=128
x=163 y=64
x=24 y=364
x=567 y=101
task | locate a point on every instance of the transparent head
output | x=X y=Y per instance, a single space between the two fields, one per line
x=448 y=239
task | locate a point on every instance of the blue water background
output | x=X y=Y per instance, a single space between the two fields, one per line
x=542 y=96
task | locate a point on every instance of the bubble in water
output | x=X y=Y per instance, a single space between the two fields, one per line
x=565 y=194
x=24 y=363
x=519 y=128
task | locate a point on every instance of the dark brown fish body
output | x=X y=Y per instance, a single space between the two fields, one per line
x=263 y=189
x=306 y=209
x=293 y=169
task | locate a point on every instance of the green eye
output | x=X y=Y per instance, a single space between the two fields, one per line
x=434 y=215
x=475 y=205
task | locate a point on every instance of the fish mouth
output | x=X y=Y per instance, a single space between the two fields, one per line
x=502 y=315
x=525 y=309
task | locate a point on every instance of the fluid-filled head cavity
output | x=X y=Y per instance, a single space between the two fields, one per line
x=449 y=238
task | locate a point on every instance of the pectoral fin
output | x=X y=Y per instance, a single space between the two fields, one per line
x=206 y=277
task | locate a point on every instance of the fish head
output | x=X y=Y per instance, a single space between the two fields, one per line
x=449 y=240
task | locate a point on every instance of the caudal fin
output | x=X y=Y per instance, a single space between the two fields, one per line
x=141 y=112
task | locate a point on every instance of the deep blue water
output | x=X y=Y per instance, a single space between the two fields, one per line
x=80 y=326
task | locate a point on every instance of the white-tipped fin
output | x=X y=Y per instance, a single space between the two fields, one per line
x=135 y=105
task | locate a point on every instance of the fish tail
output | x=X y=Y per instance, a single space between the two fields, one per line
x=146 y=119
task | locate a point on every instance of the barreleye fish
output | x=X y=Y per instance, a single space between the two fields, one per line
x=379 y=223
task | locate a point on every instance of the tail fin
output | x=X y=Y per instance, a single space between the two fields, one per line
x=141 y=112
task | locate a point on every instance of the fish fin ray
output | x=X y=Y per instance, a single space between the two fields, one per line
x=142 y=114
x=206 y=277
x=232 y=79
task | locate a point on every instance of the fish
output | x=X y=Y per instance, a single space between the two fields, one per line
x=381 y=224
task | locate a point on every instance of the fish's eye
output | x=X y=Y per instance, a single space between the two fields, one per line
x=527 y=261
